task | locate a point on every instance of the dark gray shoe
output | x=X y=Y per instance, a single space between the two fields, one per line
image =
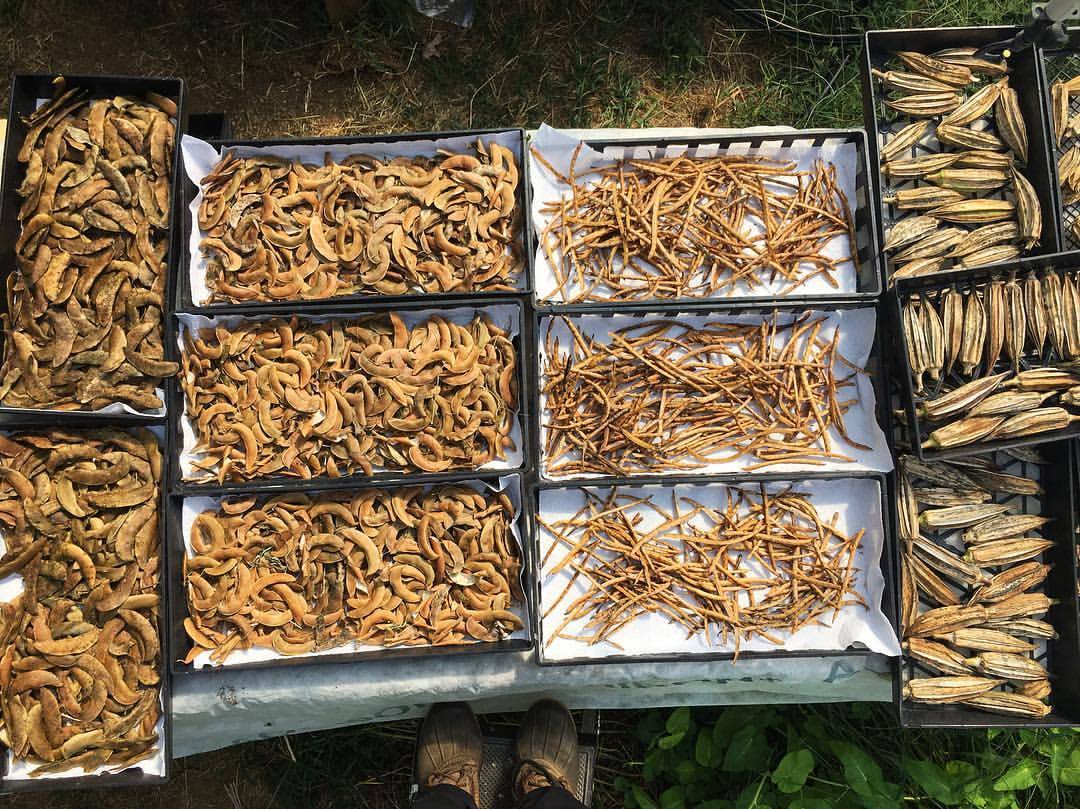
x=547 y=749
x=449 y=748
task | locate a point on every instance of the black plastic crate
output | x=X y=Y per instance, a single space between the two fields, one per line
x=889 y=599
x=1060 y=657
x=282 y=483
x=1061 y=65
x=26 y=90
x=915 y=430
x=875 y=364
x=215 y=125
x=75 y=779
x=864 y=208
x=179 y=644
x=1023 y=77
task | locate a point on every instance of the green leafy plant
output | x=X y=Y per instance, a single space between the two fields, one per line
x=842 y=757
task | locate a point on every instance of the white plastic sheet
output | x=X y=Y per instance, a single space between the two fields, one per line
x=200 y=158
x=558 y=147
x=856 y=327
x=505 y=316
x=194 y=506
x=856 y=502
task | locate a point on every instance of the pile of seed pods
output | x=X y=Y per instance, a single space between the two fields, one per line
x=384 y=567
x=80 y=667
x=84 y=307
x=278 y=229
x=302 y=399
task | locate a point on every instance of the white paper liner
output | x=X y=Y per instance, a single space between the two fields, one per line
x=558 y=148
x=856 y=501
x=505 y=316
x=857 y=328
x=194 y=506
x=200 y=158
x=18 y=769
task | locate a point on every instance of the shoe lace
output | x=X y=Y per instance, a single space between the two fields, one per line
x=533 y=775
x=464 y=776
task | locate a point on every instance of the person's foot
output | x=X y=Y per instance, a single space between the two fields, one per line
x=449 y=748
x=547 y=749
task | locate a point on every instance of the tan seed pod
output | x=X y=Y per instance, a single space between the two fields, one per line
x=1075 y=230
x=963 y=432
x=1005 y=526
x=948 y=619
x=989 y=255
x=1028 y=210
x=922 y=198
x=930 y=323
x=911 y=82
x=1059 y=104
x=947 y=519
x=915 y=339
x=995 y=324
x=1001 y=482
x=918 y=267
x=1025 y=605
x=984 y=237
x=1035 y=311
x=1055 y=312
x=1007 y=666
x=1024 y=627
x=974 y=334
x=985 y=640
x=961 y=399
x=976 y=64
x=907 y=509
x=1016 y=579
x=935 y=690
x=1015 y=325
x=902 y=141
x=1036 y=689
x=975 y=211
x=1010 y=121
x=1068 y=163
x=968 y=181
x=1043 y=378
x=909 y=598
x=947 y=563
x=1008 y=402
x=914 y=167
x=936 y=657
x=982 y=159
x=930 y=586
x=965 y=137
x=1071 y=397
x=1034 y=422
x=1006 y=551
x=937 y=473
x=975 y=106
x=1009 y=704
x=952 y=320
x=1070 y=304
x=953 y=75
x=944 y=498
x=932 y=245
x=925 y=105
x=910 y=229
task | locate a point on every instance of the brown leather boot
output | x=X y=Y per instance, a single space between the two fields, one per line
x=449 y=748
x=547 y=749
